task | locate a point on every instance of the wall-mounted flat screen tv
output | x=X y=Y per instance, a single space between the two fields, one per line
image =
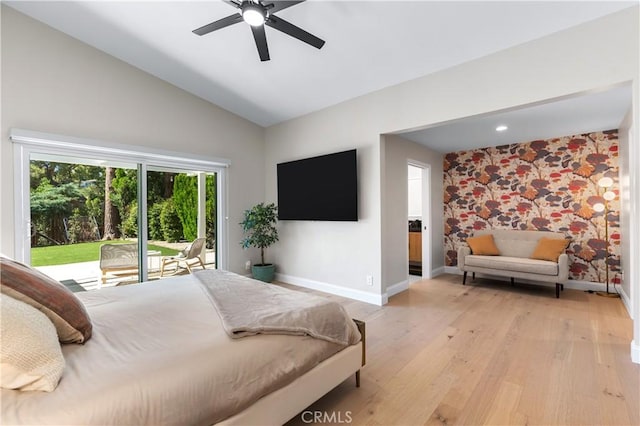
x=319 y=188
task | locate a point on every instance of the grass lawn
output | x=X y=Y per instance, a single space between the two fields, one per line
x=81 y=252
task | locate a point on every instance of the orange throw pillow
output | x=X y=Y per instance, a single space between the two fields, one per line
x=483 y=245
x=550 y=249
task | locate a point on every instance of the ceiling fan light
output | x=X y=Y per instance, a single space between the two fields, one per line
x=253 y=15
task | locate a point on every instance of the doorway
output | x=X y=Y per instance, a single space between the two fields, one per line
x=91 y=215
x=419 y=218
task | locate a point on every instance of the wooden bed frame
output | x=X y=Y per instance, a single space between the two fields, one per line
x=282 y=405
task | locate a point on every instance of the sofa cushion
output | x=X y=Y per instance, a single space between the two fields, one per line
x=483 y=245
x=517 y=243
x=516 y=264
x=550 y=249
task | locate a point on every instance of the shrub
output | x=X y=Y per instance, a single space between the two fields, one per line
x=81 y=228
x=154 y=222
x=170 y=222
x=185 y=198
x=129 y=226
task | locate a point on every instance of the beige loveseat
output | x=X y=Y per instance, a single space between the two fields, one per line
x=514 y=261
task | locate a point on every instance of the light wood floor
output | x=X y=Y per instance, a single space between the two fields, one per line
x=489 y=353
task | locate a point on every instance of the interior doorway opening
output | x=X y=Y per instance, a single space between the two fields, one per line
x=418 y=208
x=414 y=192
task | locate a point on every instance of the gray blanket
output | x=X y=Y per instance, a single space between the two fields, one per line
x=248 y=307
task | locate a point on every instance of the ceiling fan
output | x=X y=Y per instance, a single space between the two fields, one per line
x=257 y=14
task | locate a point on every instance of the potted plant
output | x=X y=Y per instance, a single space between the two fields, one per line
x=259 y=226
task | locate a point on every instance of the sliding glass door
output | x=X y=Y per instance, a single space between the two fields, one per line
x=93 y=217
x=76 y=208
x=181 y=221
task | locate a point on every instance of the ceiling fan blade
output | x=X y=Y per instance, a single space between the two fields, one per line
x=297 y=32
x=279 y=5
x=261 y=42
x=221 y=23
x=233 y=3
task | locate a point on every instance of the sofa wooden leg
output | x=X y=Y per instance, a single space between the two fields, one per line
x=562 y=287
x=473 y=276
x=557 y=291
x=464 y=278
x=512 y=281
x=358 y=378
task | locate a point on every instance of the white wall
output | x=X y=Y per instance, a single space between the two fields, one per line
x=625 y=211
x=595 y=55
x=328 y=254
x=397 y=152
x=53 y=83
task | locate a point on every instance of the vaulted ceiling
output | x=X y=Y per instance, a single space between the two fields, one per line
x=370 y=45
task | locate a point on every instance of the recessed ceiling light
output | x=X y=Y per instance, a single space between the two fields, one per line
x=501 y=128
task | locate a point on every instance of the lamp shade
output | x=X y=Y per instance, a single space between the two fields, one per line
x=605 y=182
x=609 y=195
x=599 y=207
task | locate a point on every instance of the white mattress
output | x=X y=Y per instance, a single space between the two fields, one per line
x=159 y=355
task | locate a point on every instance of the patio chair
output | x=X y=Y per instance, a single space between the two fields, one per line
x=118 y=258
x=188 y=257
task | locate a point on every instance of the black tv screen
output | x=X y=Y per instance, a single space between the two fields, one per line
x=319 y=188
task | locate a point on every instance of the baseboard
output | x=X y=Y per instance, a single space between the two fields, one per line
x=363 y=296
x=452 y=270
x=394 y=289
x=438 y=271
x=626 y=300
x=635 y=352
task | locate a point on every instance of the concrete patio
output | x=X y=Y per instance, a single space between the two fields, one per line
x=88 y=275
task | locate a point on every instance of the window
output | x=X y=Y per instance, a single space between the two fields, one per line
x=73 y=192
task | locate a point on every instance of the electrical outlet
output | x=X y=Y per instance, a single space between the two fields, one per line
x=247 y=265
x=369 y=280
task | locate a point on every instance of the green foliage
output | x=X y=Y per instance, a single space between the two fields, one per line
x=125 y=189
x=77 y=192
x=159 y=186
x=129 y=225
x=48 y=200
x=185 y=198
x=170 y=221
x=81 y=228
x=212 y=211
x=59 y=189
x=154 y=222
x=259 y=226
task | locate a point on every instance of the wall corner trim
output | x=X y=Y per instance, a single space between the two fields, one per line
x=626 y=300
x=396 y=288
x=441 y=270
x=635 y=352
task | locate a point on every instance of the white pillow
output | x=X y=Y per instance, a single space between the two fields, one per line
x=30 y=354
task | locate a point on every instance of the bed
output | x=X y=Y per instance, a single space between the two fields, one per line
x=159 y=354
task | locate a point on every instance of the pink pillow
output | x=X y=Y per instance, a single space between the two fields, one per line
x=63 y=308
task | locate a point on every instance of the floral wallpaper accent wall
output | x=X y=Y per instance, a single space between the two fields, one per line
x=546 y=185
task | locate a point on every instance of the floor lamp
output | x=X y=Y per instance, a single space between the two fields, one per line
x=606 y=182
